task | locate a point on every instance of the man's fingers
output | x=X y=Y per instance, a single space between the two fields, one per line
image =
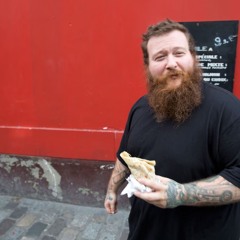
x=113 y=209
x=110 y=208
x=146 y=195
x=156 y=198
x=151 y=196
x=156 y=183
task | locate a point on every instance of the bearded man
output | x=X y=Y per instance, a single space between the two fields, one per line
x=192 y=130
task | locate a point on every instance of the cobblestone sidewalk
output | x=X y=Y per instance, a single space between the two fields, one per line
x=28 y=219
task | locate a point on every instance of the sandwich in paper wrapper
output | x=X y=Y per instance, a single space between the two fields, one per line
x=139 y=168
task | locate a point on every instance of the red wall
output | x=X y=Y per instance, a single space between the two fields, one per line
x=71 y=69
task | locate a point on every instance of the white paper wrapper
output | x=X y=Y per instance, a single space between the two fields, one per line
x=133 y=186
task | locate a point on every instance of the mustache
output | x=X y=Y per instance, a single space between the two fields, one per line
x=175 y=73
x=162 y=80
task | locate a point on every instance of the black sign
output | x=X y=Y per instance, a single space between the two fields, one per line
x=216 y=44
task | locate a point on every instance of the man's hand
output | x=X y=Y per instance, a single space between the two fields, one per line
x=166 y=193
x=110 y=203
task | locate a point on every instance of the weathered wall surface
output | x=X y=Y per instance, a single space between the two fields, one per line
x=71 y=181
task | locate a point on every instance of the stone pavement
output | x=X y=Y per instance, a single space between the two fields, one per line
x=28 y=219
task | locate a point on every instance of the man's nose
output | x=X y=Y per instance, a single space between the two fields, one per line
x=171 y=62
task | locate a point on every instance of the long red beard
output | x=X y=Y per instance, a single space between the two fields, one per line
x=177 y=103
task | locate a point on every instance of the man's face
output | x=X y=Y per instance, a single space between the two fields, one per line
x=167 y=53
x=174 y=77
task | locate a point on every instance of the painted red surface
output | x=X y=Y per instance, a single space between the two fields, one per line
x=71 y=69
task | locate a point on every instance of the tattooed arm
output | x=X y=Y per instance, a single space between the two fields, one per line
x=169 y=194
x=117 y=178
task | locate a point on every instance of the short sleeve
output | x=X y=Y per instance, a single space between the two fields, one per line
x=132 y=117
x=229 y=149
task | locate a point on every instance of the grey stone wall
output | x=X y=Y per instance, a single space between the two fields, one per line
x=81 y=182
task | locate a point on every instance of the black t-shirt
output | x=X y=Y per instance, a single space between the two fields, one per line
x=206 y=144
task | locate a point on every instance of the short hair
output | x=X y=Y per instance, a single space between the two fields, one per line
x=163 y=28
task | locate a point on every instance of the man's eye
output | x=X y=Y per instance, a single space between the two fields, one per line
x=159 y=58
x=179 y=54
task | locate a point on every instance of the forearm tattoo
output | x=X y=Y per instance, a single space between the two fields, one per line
x=119 y=175
x=208 y=192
